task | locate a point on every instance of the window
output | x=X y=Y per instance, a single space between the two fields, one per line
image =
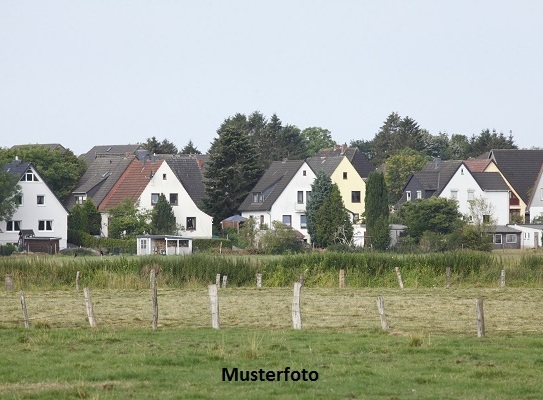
x=345 y=175
x=19 y=200
x=356 y=217
x=80 y=198
x=45 y=225
x=261 y=220
x=29 y=177
x=303 y=221
x=154 y=198
x=419 y=194
x=257 y=197
x=510 y=238
x=173 y=199
x=191 y=223
x=163 y=177
x=471 y=195
x=526 y=235
x=308 y=195
x=498 y=238
x=13 y=226
x=40 y=200
x=143 y=244
x=304 y=173
x=287 y=220
x=300 y=197
x=408 y=196
x=355 y=196
x=454 y=194
x=486 y=218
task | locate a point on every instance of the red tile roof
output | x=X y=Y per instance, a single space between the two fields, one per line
x=477 y=164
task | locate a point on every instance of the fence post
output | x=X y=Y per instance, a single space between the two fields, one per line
x=152 y=278
x=258 y=280
x=296 y=316
x=9 y=283
x=155 y=307
x=342 y=278
x=77 y=277
x=214 y=304
x=448 y=277
x=25 y=314
x=90 y=310
x=218 y=280
x=399 y=275
x=502 y=279
x=480 y=318
x=382 y=315
x=302 y=279
x=224 y=279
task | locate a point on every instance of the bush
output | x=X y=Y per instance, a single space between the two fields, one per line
x=210 y=245
x=7 y=249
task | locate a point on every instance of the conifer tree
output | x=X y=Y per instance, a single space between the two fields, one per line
x=377 y=211
x=320 y=190
x=162 y=217
x=333 y=222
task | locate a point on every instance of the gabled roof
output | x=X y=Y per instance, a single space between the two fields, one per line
x=100 y=178
x=52 y=146
x=131 y=183
x=271 y=185
x=490 y=181
x=536 y=183
x=477 y=164
x=187 y=170
x=325 y=164
x=520 y=168
x=358 y=159
x=17 y=168
x=114 y=150
x=436 y=175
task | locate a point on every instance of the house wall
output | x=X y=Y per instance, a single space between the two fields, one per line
x=536 y=203
x=530 y=237
x=29 y=213
x=185 y=206
x=463 y=183
x=492 y=167
x=504 y=244
x=354 y=182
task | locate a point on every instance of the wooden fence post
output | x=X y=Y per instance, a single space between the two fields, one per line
x=155 y=307
x=342 y=278
x=152 y=278
x=25 y=314
x=399 y=275
x=9 y=283
x=77 y=277
x=218 y=280
x=90 y=310
x=258 y=280
x=214 y=304
x=502 y=279
x=296 y=315
x=480 y=318
x=382 y=315
x=224 y=279
x=448 y=277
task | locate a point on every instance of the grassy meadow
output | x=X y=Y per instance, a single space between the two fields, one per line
x=429 y=352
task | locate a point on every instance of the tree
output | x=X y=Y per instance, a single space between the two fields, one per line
x=317 y=138
x=332 y=220
x=281 y=239
x=377 y=211
x=190 y=149
x=481 y=224
x=399 y=168
x=162 y=217
x=126 y=221
x=10 y=191
x=435 y=214
x=233 y=169
x=84 y=218
x=320 y=190
x=153 y=146
x=60 y=168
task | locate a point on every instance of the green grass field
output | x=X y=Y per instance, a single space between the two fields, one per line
x=430 y=352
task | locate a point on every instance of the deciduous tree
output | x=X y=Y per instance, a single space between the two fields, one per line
x=9 y=192
x=317 y=138
x=399 y=167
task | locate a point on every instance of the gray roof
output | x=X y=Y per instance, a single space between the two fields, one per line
x=359 y=160
x=490 y=181
x=118 y=150
x=186 y=169
x=17 y=167
x=271 y=185
x=325 y=164
x=506 y=229
x=435 y=176
x=520 y=168
x=99 y=179
x=52 y=146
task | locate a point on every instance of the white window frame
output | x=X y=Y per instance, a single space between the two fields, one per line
x=509 y=238
x=13 y=226
x=38 y=200
x=285 y=218
x=419 y=194
x=498 y=238
x=454 y=194
x=153 y=201
x=359 y=196
x=300 y=197
x=303 y=221
x=47 y=223
x=471 y=195
x=408 y=195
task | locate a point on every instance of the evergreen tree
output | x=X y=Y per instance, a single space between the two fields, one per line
x=153 y=146
x=84 y=218
x=320 y=190
x=190 y=149
x=332 y=220
x=233 y=169
x=377 y=211
x=162 y=217
x=9 y=193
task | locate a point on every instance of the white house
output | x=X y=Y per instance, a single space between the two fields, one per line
x=535 y=204
x=163 y=244
x=359 y=234
x=531 y=235
x=281 y=195
x=38 y=210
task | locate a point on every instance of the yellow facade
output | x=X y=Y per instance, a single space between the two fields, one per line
x=349 y=181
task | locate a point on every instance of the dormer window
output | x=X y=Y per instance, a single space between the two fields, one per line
x=80 y=198
x=258 y=197
x=29 y=176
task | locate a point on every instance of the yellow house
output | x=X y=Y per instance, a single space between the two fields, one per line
x=351 y=185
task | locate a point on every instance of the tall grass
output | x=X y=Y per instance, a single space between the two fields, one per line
x=319 y=269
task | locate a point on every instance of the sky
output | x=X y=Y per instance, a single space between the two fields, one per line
x=85 y=73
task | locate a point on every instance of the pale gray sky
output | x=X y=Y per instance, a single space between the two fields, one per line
x=83 y=73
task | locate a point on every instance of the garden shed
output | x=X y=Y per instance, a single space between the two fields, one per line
x=163 y=244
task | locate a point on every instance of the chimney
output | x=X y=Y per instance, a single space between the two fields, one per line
x=343 y=148
x=437 y=161
x=200 y=163
x=336 y=146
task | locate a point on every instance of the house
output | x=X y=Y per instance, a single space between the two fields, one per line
x=359 y=160
x=351 y=185
x=531 y=235
x=535 y=204
x=520 y=169
x=505 y=237
x=360 y=238
x=109 y=151
x=453 y=179
x=163 y=244
x=40 y=215
x=281 y=195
